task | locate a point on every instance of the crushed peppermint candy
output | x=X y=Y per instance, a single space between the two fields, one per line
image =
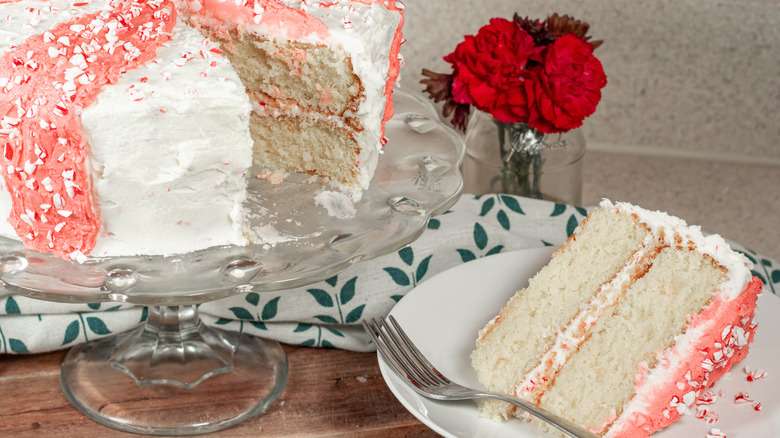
x=742 y=397
x=753 y=375
x=709 y=398
x=716 y=433
x=679 y=405
x=44 y=84
x=707 y=415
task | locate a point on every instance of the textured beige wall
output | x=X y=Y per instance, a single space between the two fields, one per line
x=697 y=77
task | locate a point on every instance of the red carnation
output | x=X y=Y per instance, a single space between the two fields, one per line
x=567 y=88
x=490 y=70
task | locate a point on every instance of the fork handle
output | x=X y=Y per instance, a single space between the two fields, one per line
x=560 y=423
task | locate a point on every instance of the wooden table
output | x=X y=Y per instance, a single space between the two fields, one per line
x=330 y=393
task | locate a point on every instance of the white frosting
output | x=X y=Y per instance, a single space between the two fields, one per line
x=180 y=153
x=21 y=19
x=338 y=204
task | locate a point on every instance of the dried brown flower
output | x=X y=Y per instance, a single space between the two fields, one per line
x=439 y=89
x=561 y=25
x=438 y=85
x=538 y=30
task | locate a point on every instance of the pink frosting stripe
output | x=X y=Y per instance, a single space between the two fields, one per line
x=730 y=329
x=274 y=15
x=394 y=72
x=44 y=84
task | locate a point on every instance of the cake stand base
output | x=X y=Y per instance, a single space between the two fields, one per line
x=174 y=376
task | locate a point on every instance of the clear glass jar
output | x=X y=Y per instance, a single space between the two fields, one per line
x=516 y=159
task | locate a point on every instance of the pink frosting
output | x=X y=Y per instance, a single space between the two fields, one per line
x=45 y=83
x=727 y=327
x=273 y=15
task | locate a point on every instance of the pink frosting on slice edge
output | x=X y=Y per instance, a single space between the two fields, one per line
x=729 y=328
x=46 y=82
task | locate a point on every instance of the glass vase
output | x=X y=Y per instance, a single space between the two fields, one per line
x=516 y=159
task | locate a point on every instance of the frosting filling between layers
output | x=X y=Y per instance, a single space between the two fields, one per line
x=576 y=332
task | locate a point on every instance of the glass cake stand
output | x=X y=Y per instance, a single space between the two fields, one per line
x=206 y=379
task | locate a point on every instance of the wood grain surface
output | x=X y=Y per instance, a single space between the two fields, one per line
x=330 y=393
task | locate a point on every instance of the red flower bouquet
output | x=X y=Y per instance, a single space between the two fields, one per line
x=536 y=79
x=523 y=71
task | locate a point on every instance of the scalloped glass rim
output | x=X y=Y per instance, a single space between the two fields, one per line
x=418 y=177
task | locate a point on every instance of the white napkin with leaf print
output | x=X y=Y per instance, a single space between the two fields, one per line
x=328 y=313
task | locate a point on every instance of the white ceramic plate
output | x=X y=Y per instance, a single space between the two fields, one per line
x=444 y=314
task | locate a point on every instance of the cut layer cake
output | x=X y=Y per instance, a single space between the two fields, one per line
x=128 y=127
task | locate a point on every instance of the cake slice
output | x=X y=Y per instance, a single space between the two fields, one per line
x=635 y=316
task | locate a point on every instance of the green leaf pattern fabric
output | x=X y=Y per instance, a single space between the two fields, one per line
x=327 y=313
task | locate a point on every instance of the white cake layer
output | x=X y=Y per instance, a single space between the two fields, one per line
x=670 y=227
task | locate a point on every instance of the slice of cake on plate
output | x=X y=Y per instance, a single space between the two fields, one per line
x=129 y=127
x=635 y=316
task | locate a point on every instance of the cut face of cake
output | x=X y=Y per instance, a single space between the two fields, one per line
x=320 y=75
x=128 y=127
x=635 y=316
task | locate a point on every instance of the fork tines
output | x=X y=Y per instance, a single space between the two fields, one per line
x=403 y=356
x=410 y=365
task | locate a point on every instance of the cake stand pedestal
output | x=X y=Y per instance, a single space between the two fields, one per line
x=210 y=379
x=176 y=376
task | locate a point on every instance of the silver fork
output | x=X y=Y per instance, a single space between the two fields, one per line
x=411 y=366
